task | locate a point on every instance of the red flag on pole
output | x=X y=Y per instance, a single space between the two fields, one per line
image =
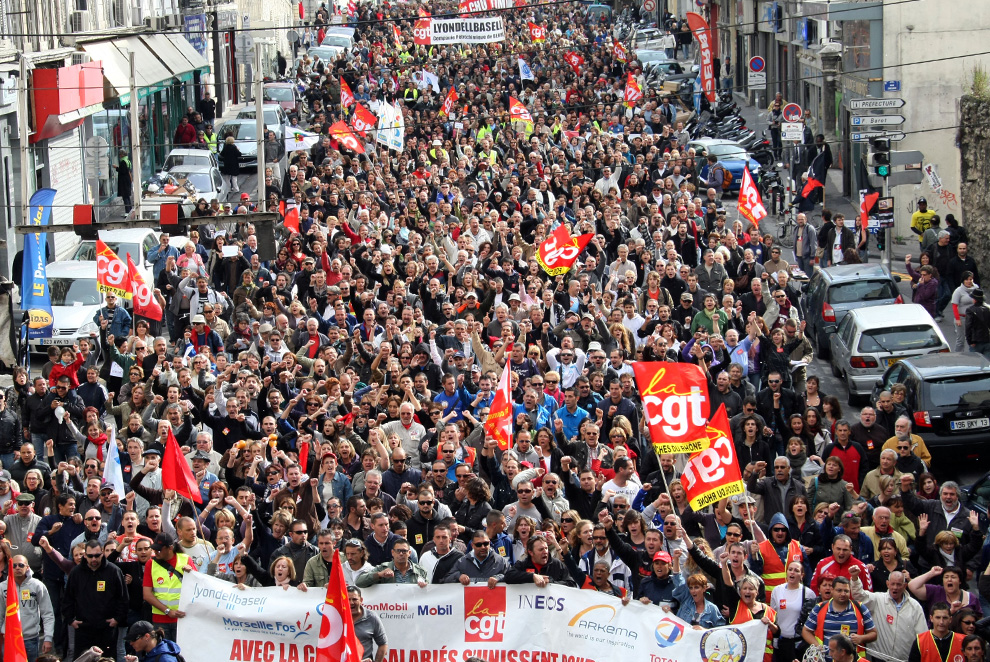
x=699 y=26
x=363 y=120
x=13 y=636
x=291 y=220
x=538 y=33
x=750 y=204
x=558 y=252
x=176 y=474
x=145 y=303
x=633 y=91
x=713 y=474
x=498 y=425
x=575 y=60
x=448 y=103
x=620 y=52
x=346 y=137
x=338 y=641
x=111 y=272
x=346 y=96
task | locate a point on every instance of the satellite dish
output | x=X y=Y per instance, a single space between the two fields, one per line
x=292 y=36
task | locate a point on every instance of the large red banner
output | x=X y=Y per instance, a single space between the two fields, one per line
x=713 y=474
x=558 y=252
x=111 y=272
x=675 y=404
x=699 y=26
x=498 y=425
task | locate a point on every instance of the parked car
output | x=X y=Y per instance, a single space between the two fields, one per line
x=339 y=40
x=731 y=155
x=598 y=12
x=134 y=241
x=285 y=95
x=976 y=497
x=275 y=117
x=651 y=55
x=870 y=340
x=949 y=395
x=75 y=300
x=182 y=156
x=833 y=292
x=647 y=38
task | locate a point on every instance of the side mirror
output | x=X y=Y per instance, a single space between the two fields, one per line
x=897 y=278
x=878 y=383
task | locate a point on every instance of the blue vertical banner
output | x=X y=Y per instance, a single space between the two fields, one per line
x=36 y=297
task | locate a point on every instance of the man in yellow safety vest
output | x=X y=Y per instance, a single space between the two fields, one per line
x=163 y=582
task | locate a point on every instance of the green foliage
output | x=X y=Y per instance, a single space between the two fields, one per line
x=980 y=87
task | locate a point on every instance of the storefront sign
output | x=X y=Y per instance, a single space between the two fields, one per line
x=196 y=32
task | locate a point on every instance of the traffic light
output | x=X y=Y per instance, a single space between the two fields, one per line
x=879 y=157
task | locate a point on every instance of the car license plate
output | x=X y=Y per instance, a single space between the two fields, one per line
x=55 y=341
x=889 y=362
x=970 y=424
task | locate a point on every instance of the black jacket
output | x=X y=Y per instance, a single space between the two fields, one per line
x=978 y=325
x=767 y=487
x=55 y=429
x=523 y=572
x=95 y=596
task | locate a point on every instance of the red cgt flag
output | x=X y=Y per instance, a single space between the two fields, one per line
x=538 y=33
x=363 y=120
x=633 y=91
x=13 y=636
x=699 y=26
x=448 y=103
x=498 y=425
x=345 y=137
x=291 y=220
x=620 y=52
x=346 y=96
x=713 y=474
x=111 y=272
x=518 y=111
x=176 y=474
x=750 y=204
x=575 y=60
x=338 y=640
x=675 y=404
x=558 y=252
x=145 y=303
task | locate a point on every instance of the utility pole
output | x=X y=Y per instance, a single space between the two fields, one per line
x=22 y=142
x=135 y=115
x=260 y=119
x=218 y=68
x=888 y=234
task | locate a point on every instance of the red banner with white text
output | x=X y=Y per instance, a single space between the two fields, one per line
x=558 y=252
x=111 y=272
x=699 y=26
x=675 y=404
x=713 y=474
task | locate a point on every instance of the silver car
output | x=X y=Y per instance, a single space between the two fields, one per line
x=870 y=340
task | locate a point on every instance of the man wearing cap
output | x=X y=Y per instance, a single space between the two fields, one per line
x=921 y=219
x=658 y=588
x=21 y=525
x=163 y=582
x=95 y=600
x=36 y=613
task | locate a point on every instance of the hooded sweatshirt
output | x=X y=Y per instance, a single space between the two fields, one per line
x=36 y=607
x=165 y=651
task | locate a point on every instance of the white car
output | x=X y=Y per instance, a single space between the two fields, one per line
x=183 y=156
x=274 y=117
x=136 y=241
x=75 y=300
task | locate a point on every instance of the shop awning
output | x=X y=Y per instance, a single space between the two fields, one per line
x=150 y=74
x=169 y=52
x=197 y=61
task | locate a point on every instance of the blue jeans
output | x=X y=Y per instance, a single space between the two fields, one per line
x=31 y=647
x=805 y=264
x=944 y=295
x=39 y=443
x=981 y=348
x=8 y=459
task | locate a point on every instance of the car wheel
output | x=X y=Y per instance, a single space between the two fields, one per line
x=853 y=399
x=835 y=371
x=821 y=346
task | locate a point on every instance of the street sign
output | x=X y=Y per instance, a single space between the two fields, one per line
x=756 y=75
x=892 y=86
x=877 y=120
x=792 y=131
x=904 y=177
x=906 y=158
x=649 y=5
x=884 y=212
x=875 y=104
x=792 y=112
x=866 y=136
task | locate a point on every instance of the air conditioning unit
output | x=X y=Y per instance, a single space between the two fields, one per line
x=79 y=21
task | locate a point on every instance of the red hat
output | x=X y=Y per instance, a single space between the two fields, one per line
x=662 y=556
x=245 y=196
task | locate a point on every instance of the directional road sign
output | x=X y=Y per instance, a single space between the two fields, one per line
x=877 y=120
x=875 y=104
x=906 y=158
x=866 y=136
x=905 y=177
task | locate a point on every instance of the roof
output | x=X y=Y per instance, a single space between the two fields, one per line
x=950 y=364
x=846 y=272
x=72 y=269
x=892 y=313
x=288 y=86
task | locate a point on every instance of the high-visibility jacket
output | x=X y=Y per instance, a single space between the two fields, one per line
x=823 y=613
x=929 y=651
x=211 y=141
x=744 y=615
x=775 y=570
x=167 y=584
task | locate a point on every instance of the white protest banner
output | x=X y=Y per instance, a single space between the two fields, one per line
x=437 y=32
x=450 y=623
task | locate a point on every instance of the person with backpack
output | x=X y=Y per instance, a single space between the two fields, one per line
x=719 y=178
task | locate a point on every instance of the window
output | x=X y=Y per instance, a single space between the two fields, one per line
x=966 y=390
x=893 y=377
x=74 y=291
x=864 y=290
x=901 y=339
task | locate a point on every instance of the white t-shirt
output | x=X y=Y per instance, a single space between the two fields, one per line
x=788 y=604
x=630 y=490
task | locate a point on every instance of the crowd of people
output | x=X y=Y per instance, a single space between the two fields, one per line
x=330 y=398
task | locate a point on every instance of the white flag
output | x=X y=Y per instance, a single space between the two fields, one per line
x=296 y=139
x=397 y=136
x=386 y=118
x=113 y=474
x=525 y=72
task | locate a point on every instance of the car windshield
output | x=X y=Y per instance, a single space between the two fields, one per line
x=336 y=40
x=177 y=160
x=271 y=117
x=728 y=151
x=240 y=130
x=86 y=252
x=901 y=339
x=74 y=291
x=278 y=93
x=200 y=180
x=862 y=290
x=968 y=390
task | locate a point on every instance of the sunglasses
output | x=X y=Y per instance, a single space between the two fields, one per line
x=92 y=519
x=94 y=556
x=482 y=544
x=567 y=520
x=300 y=533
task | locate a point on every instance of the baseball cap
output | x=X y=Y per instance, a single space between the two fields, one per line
x=25 y=498
x=922 y=199
x=163 y=540
x=662 y=556
x=201 y=455
x=594 y=347
x=105 y=485
x=138 y=630
x=458 y=355
x=687 y=296
x=570 y=313
x=266 y=328
x=4 y=476
x=471 y=295
x=245 y=196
